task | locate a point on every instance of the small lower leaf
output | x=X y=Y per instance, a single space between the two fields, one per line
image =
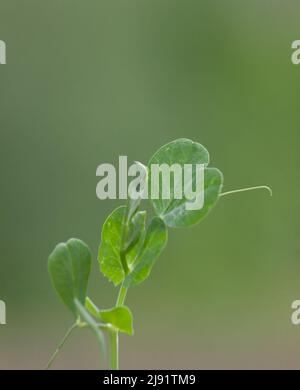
x=119 y=317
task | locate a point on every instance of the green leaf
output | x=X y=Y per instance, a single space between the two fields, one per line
x=109 y=255
x=180 y=217
x=69 y=266
x=119 y=317
x=120 y=243
x=133 y=202
x=136 y=235
x=88 y=319
x=155 y=241
x=174 y=211
x=134 y=225
x=91 y=307
x=133 y=230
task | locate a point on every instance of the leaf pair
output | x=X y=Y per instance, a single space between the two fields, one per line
x=139 y=256
x=128 y=252
x=69 y=267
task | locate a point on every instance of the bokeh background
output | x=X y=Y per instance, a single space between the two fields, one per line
x=87 y=81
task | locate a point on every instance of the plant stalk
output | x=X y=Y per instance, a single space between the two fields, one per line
x=114 y=334
x=121 y=296
x=60 y=345
x=114 y=349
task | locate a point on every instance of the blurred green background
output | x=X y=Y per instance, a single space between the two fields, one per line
x=87 y=81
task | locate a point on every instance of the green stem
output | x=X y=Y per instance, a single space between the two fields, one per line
x=114 y=350
x=121 y=296
x=247 y=189
x=60 y=345
x=114 y=334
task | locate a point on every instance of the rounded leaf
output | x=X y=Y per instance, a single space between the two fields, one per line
x=119 y=317
x=69 y=266
x=174 y=211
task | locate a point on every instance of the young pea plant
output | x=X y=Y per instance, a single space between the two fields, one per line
x=129 y=248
